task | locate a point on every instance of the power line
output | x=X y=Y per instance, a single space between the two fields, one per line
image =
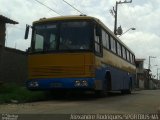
x=73 y=7
x=47 y=7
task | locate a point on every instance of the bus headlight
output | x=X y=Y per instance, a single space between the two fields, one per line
x=33 y=84
x=77 y=83
x=84 y=83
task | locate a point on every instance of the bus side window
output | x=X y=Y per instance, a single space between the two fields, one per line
x=123 y=53
x=119 y=51
x=113 y=45
x=131 y=58
x=128 y=58
x=105 y=39
x=98 y=44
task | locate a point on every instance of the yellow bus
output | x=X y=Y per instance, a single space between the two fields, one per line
x=78 y=53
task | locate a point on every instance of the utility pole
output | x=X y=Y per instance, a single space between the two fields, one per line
x=114 y=13
x=149 y=67
x=149 y=64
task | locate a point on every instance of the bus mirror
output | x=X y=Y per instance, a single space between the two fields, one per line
x=26 y=32
x=98 y=31
x=28 y=50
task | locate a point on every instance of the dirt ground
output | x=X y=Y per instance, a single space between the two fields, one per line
x=144 y=101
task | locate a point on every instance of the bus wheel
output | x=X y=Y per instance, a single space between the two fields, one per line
x=125 y=91
x=129 y=91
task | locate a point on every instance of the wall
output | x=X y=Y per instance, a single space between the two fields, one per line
x=152 y=85
x=2 y=34
x=13 y=66
x=140 y=82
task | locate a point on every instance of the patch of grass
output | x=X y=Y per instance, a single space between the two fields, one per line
x=13 y=92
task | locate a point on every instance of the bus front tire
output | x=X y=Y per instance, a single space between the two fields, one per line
x=101 y=93
x=129 y=91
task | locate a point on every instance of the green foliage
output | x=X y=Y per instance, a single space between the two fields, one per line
x=13 y=92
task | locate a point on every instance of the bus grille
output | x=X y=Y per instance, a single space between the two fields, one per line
x=56 y=71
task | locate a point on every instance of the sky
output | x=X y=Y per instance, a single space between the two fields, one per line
x=140 y=14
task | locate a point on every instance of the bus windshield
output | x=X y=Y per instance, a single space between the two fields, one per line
x=62 y=36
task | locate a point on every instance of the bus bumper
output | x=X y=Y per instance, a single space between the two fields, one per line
x=61 y=83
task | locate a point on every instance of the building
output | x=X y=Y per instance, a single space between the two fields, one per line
x=140 y=72
x=3 y=21
x=155 y=84
x=13 y=63
x=144 y=77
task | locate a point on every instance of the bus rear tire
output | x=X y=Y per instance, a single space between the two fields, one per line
x=128 y=91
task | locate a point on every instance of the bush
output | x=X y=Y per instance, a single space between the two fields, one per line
x=12 y=92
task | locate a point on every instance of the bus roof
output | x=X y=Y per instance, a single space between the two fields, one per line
x=81 y=17
x=74 y=17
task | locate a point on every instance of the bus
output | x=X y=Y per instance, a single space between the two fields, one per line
x=78 y=53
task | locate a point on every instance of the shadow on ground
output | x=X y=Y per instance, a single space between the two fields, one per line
x=81 y=96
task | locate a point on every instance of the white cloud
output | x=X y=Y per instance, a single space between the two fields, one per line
x=141 y=14
x=143 y=43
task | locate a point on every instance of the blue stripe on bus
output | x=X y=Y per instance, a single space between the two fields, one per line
x=120 y=79
x=60 y=83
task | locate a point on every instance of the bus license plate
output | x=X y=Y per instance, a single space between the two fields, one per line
x=56 y=85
